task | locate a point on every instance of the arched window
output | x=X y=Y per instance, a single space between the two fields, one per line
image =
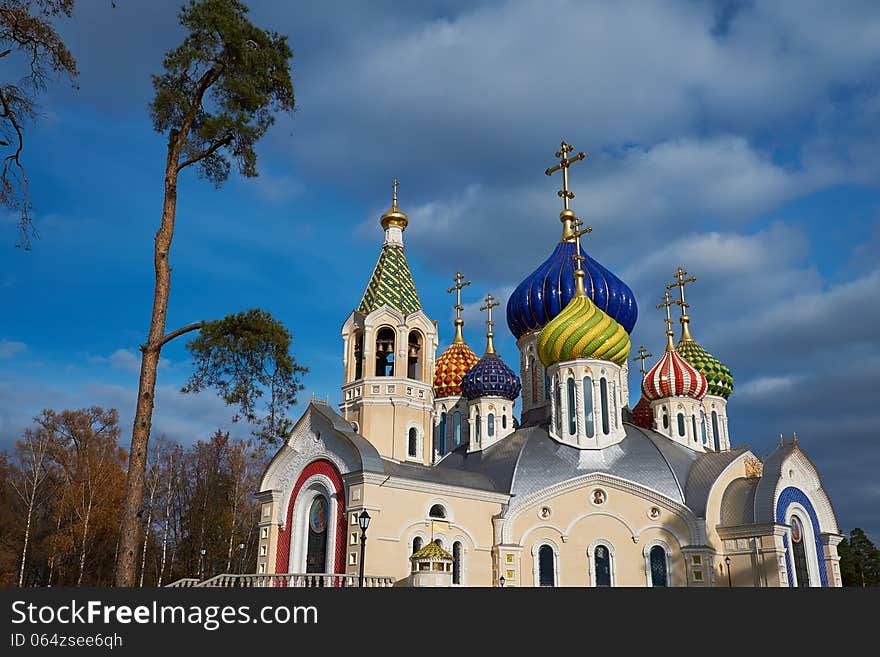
x=694 y=426
x=456 y=562
x=456 y=428
x=477 y=427
x=801 y=571
x=588 y=406
x=358 y=355
x=546 y=386
x=603 y=395
x=657 y=561
x=715 y=435
x=413 y=355
x=385 y=352
x=546 y=566
x=490 y=422
x=413 y=443
x=534 y=377
x=572 y=424
x=417 y=544
x=504 y=420
x=602 y=565
x=316 y=550
x=703 y=426
x=665 y=418
x=437 y=511
x=681 y=424
x=614 y=404
x=441 y=429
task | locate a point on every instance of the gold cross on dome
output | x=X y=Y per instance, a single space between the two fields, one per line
x=564 y=149
x=667 y=303
x=680 y=281
x=576 y=225
x=643 y=356
x=490 y=303
x=459 y=322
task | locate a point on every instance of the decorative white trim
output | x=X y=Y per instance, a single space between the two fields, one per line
x=647 y=554
x=419 y=456
x=591 y=564
x=463 y=565
x=809 y=543
x=447 y=509
x=438 y=489
x=315 y=485
x=536 y=570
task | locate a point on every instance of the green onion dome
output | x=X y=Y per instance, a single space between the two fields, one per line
x=717 y=374
x=582 y=330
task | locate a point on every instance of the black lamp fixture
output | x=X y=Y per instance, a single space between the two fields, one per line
x=729 y=582
x=501 y=581
x=363 y=523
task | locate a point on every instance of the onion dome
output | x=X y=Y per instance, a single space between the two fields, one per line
x=582 y=330
x=673 y=376
x=643 y=416
x=718 y=375
x=450 y=368
x=545 y=292
x=490 y=377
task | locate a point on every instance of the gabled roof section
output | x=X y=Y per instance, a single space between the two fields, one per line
x=391 y=284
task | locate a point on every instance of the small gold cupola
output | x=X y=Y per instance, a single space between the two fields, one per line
x=395 y=216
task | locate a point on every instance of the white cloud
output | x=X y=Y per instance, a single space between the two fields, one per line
x=9 y=348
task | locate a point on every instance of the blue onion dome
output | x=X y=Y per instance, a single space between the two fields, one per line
x=490 y=377
x=544 y=293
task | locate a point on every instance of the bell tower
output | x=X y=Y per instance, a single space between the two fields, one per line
x=388 y=355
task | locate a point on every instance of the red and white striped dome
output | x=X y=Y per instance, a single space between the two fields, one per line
x=673 y=376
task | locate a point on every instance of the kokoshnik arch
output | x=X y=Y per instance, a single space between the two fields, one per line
x=575 y=489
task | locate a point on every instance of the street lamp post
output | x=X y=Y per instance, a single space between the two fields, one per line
x=729 y=582
x=363 y=522
x=501 y=581
x=202 y=563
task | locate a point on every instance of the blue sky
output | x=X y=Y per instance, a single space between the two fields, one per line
x=739 y=140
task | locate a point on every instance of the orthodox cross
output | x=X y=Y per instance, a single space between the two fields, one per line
x=643 y=356
x=459 y=322
x=490 y=303
x=680 y=281
x=564 y=149
x=667 y=303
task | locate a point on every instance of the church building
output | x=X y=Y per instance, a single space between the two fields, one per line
x=474 y=475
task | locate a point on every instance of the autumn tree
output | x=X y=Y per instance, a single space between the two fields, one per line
x=215 y=99
x=28 y=42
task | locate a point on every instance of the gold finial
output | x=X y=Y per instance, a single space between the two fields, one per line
x=579 y=275
x=667 y=303
x=395 y=216
x=567 y=215
x=680 y=281
x=643 y=356
x=459 y=322
x=490 y=304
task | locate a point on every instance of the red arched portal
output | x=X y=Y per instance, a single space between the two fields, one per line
x=319 y=467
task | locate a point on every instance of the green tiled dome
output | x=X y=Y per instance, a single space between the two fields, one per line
x=717 y=373
x=391 y=284
x=582 y=330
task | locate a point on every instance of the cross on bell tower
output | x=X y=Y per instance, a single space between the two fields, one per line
x=681 y=280
x=643 y=356
x=459 y=322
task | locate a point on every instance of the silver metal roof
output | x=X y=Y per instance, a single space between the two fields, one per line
x=738 y=502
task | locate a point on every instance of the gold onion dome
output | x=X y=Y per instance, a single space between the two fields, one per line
x=450 y=369
x=581 y=330
x=395 y=216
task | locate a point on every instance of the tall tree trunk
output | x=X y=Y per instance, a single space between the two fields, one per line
x=167 y=517
x=126 y=570
x=147 y=530
x=27 y=535
x=85 y=536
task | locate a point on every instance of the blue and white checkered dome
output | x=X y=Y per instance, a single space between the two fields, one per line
x=490 y=377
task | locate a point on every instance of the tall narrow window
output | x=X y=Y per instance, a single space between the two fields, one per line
x=657 y=559
x=490 y=425
x=546 y=386
x=546 y=567
x=703 y=426
x=558 y=397
x=798 y=541
x=534 y=372
x=614 y=404
x=456 y=562
x=588 y=406
x=504 y=421
x=442 y=437
x=572 y=424
x=414 y=355
x=602 y=563
x=715 y=435
x=385 y=352
x=665 y=419
x=358 y=355
x=681 y=424
x=456 y=428
x=477 y=426
x=417 y=544
x=603 y=395
x=413 y=443
x=694 y=426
